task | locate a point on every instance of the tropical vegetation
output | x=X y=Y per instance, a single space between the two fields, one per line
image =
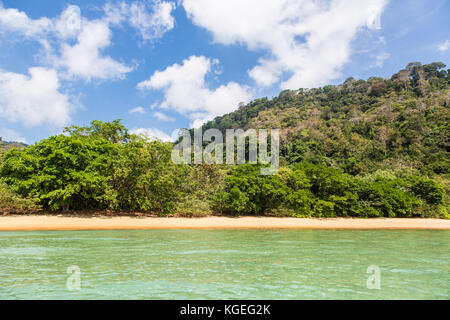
x=375 y=148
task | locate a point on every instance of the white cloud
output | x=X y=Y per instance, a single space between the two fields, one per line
x=11 y=135
x=84 y=59
x=139 y=110
x=443 y=47
x=115 y=13
x=34 y=99
x=308 y=41
x=73 y=47
x=162 y=117
x=152 y=134
x=154 y=25
x=13 y=20
x=186 y=91
x=152 y=22
x=68 y=24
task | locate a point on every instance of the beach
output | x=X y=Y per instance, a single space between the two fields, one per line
x=47 y=222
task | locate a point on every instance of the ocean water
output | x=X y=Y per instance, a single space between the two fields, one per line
x=225 y=264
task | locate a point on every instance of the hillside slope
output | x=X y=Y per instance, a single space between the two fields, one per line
x=401 y=123
x=5 y=145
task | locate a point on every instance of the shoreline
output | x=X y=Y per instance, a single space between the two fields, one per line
x=47 y=223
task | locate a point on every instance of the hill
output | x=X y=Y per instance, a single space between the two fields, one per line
x=5 y=145
x=400 y=123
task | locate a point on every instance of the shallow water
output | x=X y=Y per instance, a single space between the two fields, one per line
x=225 y=264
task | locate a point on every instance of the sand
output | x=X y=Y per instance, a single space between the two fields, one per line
x=40 y=222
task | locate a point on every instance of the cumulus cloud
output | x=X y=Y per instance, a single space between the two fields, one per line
x=152 y=134
x=68 y=24
x=307 y=41
x=33 y=99
x=152 y=25
x=186 y=91
x=84 y=59
x=138 y=110
x=152 y=21
x=74 y=47
x=13 y=20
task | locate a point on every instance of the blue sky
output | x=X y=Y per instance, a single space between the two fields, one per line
x=162 y=65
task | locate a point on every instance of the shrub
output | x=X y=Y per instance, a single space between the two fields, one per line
x=429 y=190
x=12 y=202
x=248 y=192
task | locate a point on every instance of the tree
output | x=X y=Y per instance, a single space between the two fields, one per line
x=144 y=178
x=96 y=167
x=114 y=131
x=62 y=172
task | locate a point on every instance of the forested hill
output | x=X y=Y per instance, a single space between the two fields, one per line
x=361 y=126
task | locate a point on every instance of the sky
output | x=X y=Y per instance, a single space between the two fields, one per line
x=163 y=65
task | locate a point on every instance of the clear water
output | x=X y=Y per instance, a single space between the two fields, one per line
x=225 y=264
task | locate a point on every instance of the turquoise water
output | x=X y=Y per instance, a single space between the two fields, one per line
x=225 y=264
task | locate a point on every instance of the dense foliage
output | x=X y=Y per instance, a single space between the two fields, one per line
x=361 y=126
x=307 y=189
x=381 y=133
x=104 y=167
x=376 y=148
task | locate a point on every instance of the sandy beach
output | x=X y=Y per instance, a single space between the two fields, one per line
x=38 y=222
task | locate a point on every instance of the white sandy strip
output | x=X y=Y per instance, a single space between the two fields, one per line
x=36 y=222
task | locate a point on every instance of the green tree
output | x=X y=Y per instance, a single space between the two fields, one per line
x=62 y=172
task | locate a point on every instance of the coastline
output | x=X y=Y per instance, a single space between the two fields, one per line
x=43 y=222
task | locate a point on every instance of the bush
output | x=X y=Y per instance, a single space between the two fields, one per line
x=324 y=209
x=248 y=192
x=429 y=190
x=301 y=201
x=192 y=206
x=12 y=202
x=388 y=199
